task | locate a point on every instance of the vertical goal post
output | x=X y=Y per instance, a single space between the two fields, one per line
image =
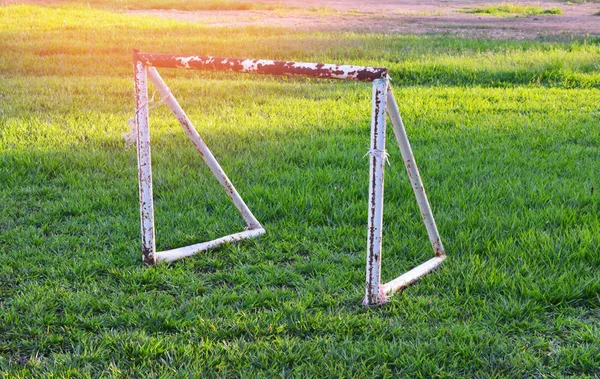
x=383 y=102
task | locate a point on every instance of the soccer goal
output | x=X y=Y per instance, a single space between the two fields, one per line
x=382 y=101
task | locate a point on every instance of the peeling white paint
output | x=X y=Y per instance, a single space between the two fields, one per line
x=374 y=295
x=144 y=163
x=263 y=66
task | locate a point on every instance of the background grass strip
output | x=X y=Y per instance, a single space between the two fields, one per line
x=514 y=9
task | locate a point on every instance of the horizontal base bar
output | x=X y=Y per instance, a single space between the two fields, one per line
x=412 y=276
x=186 y=251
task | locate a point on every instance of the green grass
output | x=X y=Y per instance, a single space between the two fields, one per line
x=597 y=13
x=506 y=137
x=514 y=9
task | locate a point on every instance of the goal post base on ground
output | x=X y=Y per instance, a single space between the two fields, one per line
x=383 y=103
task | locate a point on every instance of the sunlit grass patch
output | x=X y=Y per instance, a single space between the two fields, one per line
x=190 y=5
x=514 y=9
x=182 y=5
x=75 y=18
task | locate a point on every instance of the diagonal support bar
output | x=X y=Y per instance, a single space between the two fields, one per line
x=413 y=174
x=203 y=149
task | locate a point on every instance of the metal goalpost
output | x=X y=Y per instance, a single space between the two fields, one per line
x=383 y=102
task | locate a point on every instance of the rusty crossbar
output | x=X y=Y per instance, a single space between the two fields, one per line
x=383 y=102
x=261 y=66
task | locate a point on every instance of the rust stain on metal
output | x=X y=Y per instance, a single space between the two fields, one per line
x=148 y=256
x=144 y=162
x=229 y=190
x=374 y=294
x=438 y=249
x=370 y=252
x=261 y=66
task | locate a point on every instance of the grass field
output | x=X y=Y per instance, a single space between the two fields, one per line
x=506 y=135
x=514 y=9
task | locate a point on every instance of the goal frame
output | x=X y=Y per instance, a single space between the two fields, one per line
x=383 y=101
